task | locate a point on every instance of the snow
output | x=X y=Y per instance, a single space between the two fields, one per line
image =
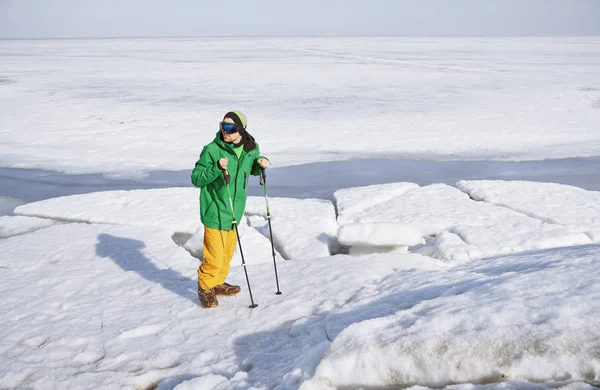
x=494 y=320
x=430 y=209
x=302 y=228
x=296 y=232
x=257 y=249
x=112 y=301
x=475 y=286
x=450 y=246
x=15 y=225
x=461 y=229
x=127 y=297
x=379 y=234
x=178 y=208
x=353 y=203
x=129 y=107
x=216 y=382
x=549 y=202
x=71 y=299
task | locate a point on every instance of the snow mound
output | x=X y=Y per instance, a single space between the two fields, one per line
x=214 y=382
x=518 y=317
x=379 y=234
x=449 y=246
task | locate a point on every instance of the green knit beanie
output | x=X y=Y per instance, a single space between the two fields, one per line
x=238 y=118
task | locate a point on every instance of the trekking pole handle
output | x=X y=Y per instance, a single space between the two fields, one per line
x=263 y=176
x=227 y=176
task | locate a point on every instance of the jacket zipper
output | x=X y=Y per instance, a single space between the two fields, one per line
x=237 y=171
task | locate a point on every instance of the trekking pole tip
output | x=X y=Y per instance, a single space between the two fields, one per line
x=253 y=306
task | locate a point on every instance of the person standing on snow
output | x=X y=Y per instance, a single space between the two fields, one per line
x=235 y=151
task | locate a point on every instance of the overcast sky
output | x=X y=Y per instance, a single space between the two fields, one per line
x=141 y=18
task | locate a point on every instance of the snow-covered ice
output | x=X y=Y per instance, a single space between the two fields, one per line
x=171 y=208
x=478 y=286
x=257 y=249
x=151 y=104
x=552 y=203
x=15 y=225
x=77 y=294
x=528 y=316
x=302 y=228
x=379 y=234
x=104 y=299
x=119 y=308
x=461 y=229
x=353 y=203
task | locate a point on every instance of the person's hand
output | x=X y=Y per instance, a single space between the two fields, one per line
x=223 y=163
x=263 y=163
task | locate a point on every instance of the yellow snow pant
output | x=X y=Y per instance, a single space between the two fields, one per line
x=219 y=246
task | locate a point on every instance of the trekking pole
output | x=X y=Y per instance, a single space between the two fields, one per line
x=227 y=181
x=263 y=182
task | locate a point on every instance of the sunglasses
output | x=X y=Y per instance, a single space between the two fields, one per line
x=228 y=128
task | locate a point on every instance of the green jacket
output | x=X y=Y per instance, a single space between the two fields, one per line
x=215 y=210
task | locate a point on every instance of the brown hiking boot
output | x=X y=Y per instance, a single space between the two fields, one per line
x=227 y=289
x=207 y=298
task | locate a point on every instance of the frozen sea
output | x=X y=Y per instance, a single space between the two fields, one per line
x=435 y=201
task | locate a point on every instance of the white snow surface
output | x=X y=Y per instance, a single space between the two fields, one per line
x=99 y=290
x=353 y=203
x=257 y=249
x=461 y=229
x=493 y=320
x=302 y=228
x=171 y=208
x=552 y=203
x=15 y=225
x=109 y=300
x=132 y=106
x=379 y=234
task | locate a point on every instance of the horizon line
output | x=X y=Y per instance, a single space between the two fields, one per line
x=33 y=38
